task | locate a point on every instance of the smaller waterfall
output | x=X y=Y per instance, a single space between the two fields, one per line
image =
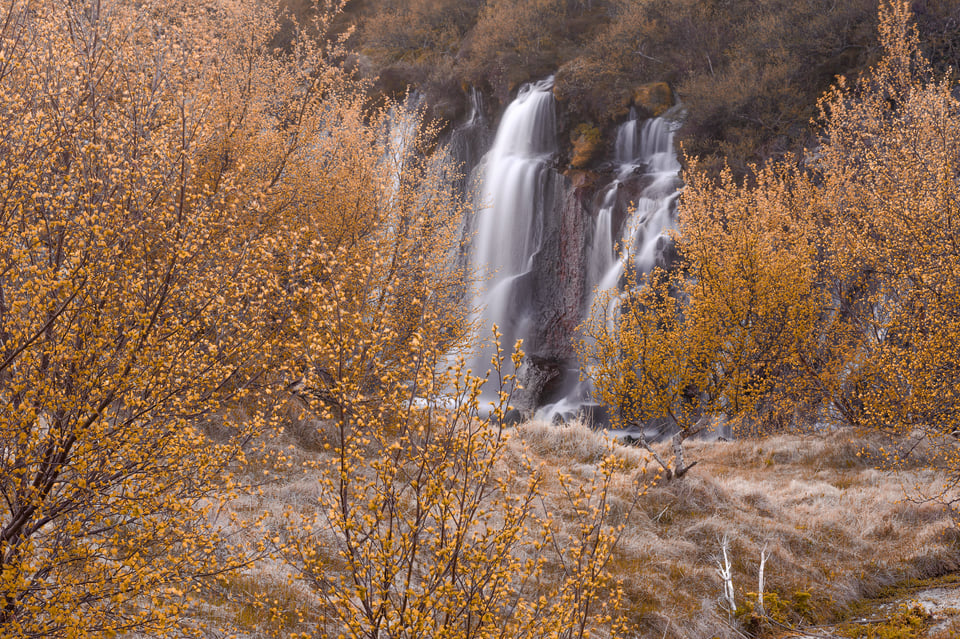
x=476 y=117
x=643 y=237
x=402 y=127
x=625 y=150
x=602 y=250
x=468 y=143
x=645 y=156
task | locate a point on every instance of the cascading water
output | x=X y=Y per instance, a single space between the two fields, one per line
x=644 y=232
x=628 y=152
x=625 y=150
x=536 y=254
x=650 y=158
x=508 y=228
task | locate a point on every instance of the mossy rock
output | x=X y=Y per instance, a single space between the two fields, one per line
x=653 y=98
x=587 y=143
x=908 y=622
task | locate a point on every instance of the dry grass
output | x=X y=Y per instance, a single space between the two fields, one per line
x=837 y=528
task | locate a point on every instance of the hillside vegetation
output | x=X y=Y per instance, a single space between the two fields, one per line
x=749 y=71
x=824 y=289
x=191 y=225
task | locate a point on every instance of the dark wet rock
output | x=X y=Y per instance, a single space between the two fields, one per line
x=595 y=415
x=536 y=377
x=666 y=253
x=512 y=417
x=558 y=286
x=580 y=179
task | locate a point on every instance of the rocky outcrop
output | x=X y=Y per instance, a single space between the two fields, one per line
x=552 y=295
x=559 y=274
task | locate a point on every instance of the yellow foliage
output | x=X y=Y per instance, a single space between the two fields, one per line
x=889 y=193
x=190 y=223
x=420 y=526
x=824 y=290
x=726 y=332
x=514 y=41
x=193 y=228
x=654 y=98
x=586 y=142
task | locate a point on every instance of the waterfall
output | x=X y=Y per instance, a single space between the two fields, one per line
x=401 y=133
x=602 y=253
x=648 y=157
x=476 y=117
x=536 y=253
x=644 y=235
x=468 y=142
x=651 y=157
x=625 y=151
x=508 y=228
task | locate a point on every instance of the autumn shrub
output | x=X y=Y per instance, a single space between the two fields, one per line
x=186 y=212
x=421 y=525
x=727 y=332
x=907 y=622
x=417 y=30
x=126 y=312
x=889 y=185
x=206 y=240
x=821 y=290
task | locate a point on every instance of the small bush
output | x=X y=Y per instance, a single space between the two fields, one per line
x=587 y=142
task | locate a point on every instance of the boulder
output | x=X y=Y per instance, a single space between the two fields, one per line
x=595 y=415
x=534 y=379
x=513 y=417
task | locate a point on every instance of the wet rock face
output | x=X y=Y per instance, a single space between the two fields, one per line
x=665 y=253
x=468 y=142
x=551 y=296
x=559 y=270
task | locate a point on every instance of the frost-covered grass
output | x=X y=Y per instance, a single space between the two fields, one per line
x=837 y=528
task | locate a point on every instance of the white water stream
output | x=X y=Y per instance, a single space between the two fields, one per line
x=508 y=223
x=648 y=154
x=508 y=228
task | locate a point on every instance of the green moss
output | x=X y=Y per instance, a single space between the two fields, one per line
x=908 y=622
x=779 y=610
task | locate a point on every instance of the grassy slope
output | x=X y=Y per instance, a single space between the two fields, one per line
x=838 y=529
